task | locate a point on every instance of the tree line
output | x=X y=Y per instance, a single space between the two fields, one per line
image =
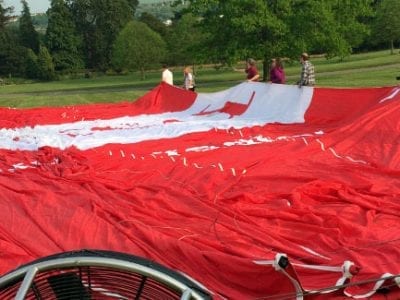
x=105 y=36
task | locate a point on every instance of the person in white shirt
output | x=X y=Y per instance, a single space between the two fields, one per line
x=188 y=79
x=167 y=75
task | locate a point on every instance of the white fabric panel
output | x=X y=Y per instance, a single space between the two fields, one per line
x=270 y=103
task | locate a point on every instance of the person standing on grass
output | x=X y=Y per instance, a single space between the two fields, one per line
x=251 y=70
x=188 y=79
x=307 y=72
x=167 y=75
x=277 y=73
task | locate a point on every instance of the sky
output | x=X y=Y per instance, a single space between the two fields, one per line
x=35 y=6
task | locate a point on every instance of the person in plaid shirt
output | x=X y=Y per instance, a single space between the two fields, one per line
x=307 y=71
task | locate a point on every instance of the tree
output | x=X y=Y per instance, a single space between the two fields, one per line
x=28 y=35
x=5 y=13
x=387 y=22
x=352 y=21
x=154 y=23
x=234 y=26
x=12 y=55
x=61 y=37
x=133 y=4
x=45 y=65
x=238 y=29
x=268 y=28
x=99 y=22
x=31 y=65
x=332 y=27
x=137 y=47
x=184 y=41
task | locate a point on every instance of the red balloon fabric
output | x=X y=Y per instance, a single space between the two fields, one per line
x=260 y=191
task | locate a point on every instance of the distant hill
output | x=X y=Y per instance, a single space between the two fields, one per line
x=154 y=1
x=39 y=21
x=162 y=9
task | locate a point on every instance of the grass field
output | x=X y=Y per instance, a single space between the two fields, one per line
x=361 y=70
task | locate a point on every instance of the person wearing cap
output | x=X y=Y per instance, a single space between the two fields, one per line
x=307 y=71
x=251 y=70
x=167 y=75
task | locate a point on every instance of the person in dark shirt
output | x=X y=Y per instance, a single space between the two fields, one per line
x=251 y=70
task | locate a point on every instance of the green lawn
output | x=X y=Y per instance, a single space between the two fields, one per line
x=361 y=70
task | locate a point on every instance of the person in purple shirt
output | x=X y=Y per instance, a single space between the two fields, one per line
x=277 y=73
